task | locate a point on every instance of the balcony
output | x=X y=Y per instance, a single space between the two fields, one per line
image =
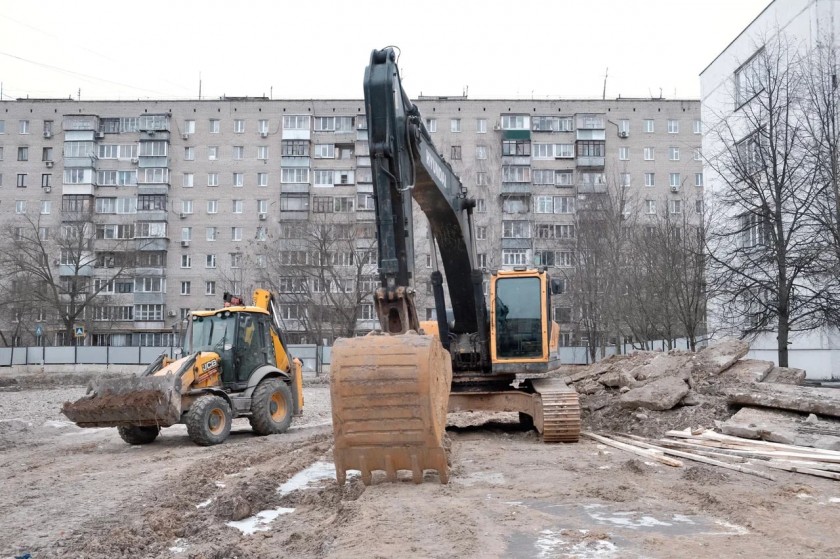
x=517 y=243
x=584 y=161
x=516 y=188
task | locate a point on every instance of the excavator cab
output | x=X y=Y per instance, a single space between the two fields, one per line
x=519 y=321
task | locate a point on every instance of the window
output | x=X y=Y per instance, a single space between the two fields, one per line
x=516 y=122
x=189 y=127
x=238 y=126
x=698 y=179
x=236 y=233
x=514 y=257
x=189 y=179
x=212 y=179
x=431 y=125
x=696 y=127
x=262 y=153
x=46 y=207
x=23 y=127
x=294 y=148
x=650 y=207
x=481 y=125
x=20 y=206
x=591 y=149
x=262 y=179
x=673 y=154
x=564 y=204
x=624 y=127
x=238 y=152
x=481 y=179
x=515 y=205
x=623 y=154
x=1 y=153
x=21 y=181
x=262 y=126
x=649 y=154
x=511 y=173
x=456 y=152
x=675 y=206
x=482 y=260
x=518 y=229
x=543 y=151
x=212 y=233
x=563 y=178
x=239 y=179
x=262 y=206
x=212 y=206
x=186 y=233
x=189 y=153
x=238 y=206
x=516 y=147
x=544 y=204
x=296 y=122
x=674 y=180
x=2 y=126
x=210 y=286
x=648 y=125
x=212 y=153
x=210 y=261
x=294 y=202
x=650 y=179
x=186 y=206
x=624 y=179
x=324 y=151
x=154 y=149
x=46 y=180
x=698 y=155
x=546 y=124
x=748 y=80
x=673 y=126
x=480 y=205
x=185 y=285
x=215 y=126
x=322 y=178
x=23 y=153
x=481 y=232
x=294 y=175
x=455 y=125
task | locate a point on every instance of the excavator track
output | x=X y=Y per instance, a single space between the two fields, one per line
x=561 y=416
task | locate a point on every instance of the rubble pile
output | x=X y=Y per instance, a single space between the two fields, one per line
x=650 y=393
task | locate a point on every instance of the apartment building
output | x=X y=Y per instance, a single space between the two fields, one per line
x=205 y=193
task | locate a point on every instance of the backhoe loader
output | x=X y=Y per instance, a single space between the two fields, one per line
x=234 y=364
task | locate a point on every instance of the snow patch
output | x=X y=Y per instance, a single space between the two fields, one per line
x=180 y=546
x=259 y=522
x=204 y=504
x=316 y=472
x=58 y=424
x=550 y=544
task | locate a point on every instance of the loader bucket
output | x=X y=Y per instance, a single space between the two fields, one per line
x=147 y=400
x=390 y=395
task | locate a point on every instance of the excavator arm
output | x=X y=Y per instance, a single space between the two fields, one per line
x=405 y=166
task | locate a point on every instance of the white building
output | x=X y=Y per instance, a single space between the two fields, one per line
x=723 y=89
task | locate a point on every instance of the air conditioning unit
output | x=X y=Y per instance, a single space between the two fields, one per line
x=264 y=134
x=497 y=127
x=263 y=217
x=48 y=189
x=100 y=135
x=185 y=136
x=135 y=160
x=675 y=188
x=622 y=133
x=183 y=215
x=49 y=164
x=170 y=313
x=185 y=243
x=47 y=134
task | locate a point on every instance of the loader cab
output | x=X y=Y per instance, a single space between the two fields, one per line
x=519 y=324
x=240 y=337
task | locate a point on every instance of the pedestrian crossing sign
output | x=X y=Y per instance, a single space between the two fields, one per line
x=80 y=332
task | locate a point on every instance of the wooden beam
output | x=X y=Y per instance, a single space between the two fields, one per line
x=635 y=450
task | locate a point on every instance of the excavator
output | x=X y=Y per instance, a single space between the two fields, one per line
x=391 y=390
x=234 y=364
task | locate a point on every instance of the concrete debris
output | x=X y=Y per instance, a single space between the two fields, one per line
x=648 y=393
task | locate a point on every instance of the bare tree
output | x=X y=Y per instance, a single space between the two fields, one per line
x=323 y=273
x=763 y=256
x=57 y=277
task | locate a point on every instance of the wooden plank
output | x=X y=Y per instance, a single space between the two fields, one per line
x=705 y=460
x=800 y=470
x=752 y=444
x=635 y=450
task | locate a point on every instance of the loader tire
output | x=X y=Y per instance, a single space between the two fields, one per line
x=138 y=435
x=272 y=407
x=209 y=420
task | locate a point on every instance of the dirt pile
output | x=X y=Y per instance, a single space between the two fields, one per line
x=649 y=393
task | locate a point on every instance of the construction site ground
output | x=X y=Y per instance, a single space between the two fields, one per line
x=84 y=493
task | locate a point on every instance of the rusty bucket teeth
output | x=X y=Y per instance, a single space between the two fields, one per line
x=389 y=400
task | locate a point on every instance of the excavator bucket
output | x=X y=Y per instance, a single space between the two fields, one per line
x=146 y=400
x=390 y=395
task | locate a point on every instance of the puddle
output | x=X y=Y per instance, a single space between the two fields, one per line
x=559 y=543
x=259 y=522
x=316 y=472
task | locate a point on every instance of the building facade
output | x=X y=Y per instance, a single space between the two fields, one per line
x=204 y=194
x=727 y=86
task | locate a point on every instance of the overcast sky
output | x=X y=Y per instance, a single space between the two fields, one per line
x=318 y=49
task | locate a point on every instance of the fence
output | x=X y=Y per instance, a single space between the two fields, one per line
x=310 y=354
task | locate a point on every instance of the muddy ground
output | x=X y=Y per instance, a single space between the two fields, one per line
x=84 y=493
